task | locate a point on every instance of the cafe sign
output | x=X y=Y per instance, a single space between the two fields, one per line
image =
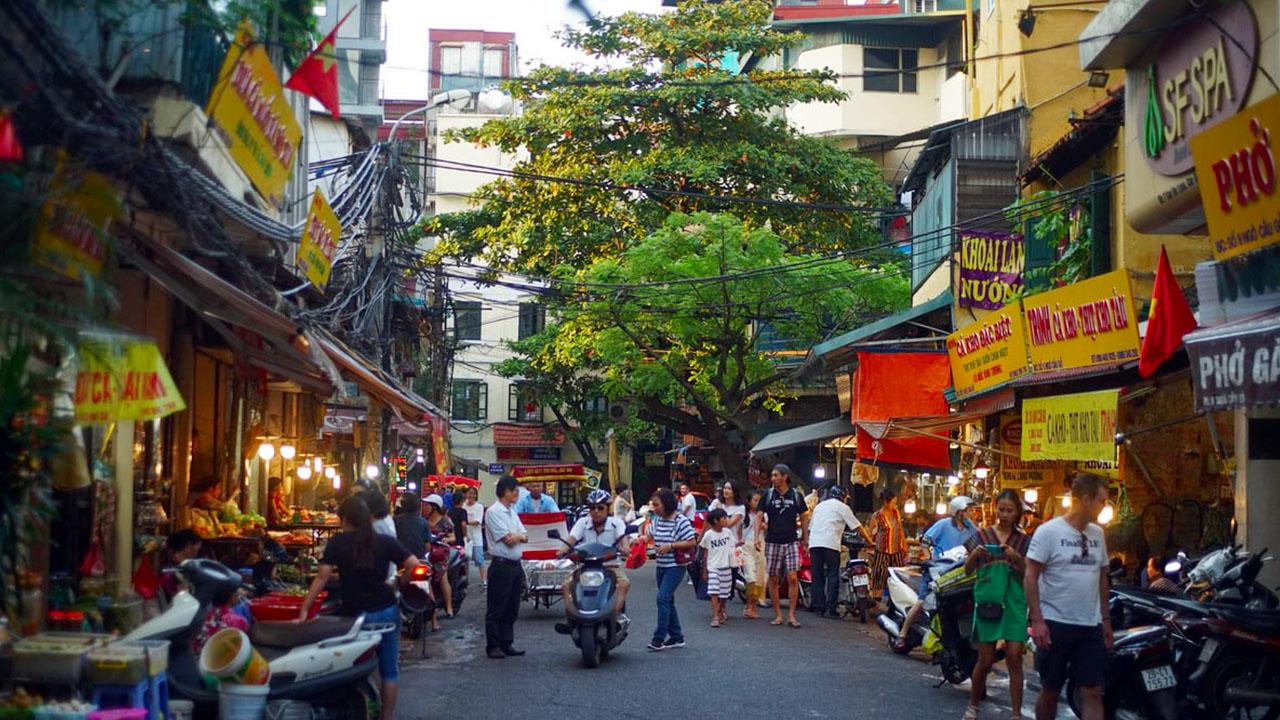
x=1086 y=324
x=1201 y=76
x=248 y=110
x=991 y=268
x=988 y=353
x=123 y=379
x=1071 y=427
x=1236 y=164
x=1240 y=368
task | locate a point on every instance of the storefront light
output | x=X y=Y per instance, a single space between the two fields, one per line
x=953 y=480
x=981 y=472
x=330 y=473
x=819 y=472
x=1066 y=501
x=317 y=464
x=304 y=472
x=909 y=507
x=413 y=487
x=1107 y=515
x=1031 y=495
x=266 y=451
x=288 y=452
x=940 y=508
x=421 y=453
x=337 y=480
x=371 y=471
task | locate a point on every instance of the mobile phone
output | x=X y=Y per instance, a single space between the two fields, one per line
x=994 y=549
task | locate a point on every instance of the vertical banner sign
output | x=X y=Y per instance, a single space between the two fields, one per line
x=1018 y=473
x=1090 y=323
x=123 y=379
x=1236 y=164
x=248 y=110
x=440 y=443
x=73 y=235
x=1071 y=427
x=319 y=241
x=988 y=353
x=991 y=267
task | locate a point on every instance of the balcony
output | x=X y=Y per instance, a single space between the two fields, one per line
x=372 y=42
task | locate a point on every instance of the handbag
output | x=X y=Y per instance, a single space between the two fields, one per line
x=989 y=590
x=684 y=556
x=638 y=555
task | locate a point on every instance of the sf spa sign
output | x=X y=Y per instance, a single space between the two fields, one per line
x=1091 y=323
x=1071 y=427
x=988 y=353
x=1236 y=164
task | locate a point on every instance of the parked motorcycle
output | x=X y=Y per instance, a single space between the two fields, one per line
x=457 y=572
x=417 y=601
x=856 y=579
x=1141 y=683
x=319 y=669
x=592 y=621
x=906 y=585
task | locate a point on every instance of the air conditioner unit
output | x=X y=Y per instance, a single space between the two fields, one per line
x=619 y=410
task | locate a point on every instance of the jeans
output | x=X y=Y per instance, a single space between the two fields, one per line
x=389 y=645
x=506 y=584
x=669 y=579
x=825 y=564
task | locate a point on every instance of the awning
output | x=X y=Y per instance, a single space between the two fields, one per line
x=1237 y=364
x=804 y=435
x=929 y=426
x=404 y=402
x=1084 y=373
x=896 y=385
x=842 y=349
x=287 y=350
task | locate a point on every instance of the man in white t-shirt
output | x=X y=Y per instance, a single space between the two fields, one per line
x=1066 y=586
x=475 y=532
x=827 y=524
x=688 y=503
x=601 y=527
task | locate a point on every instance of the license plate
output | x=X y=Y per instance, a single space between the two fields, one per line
x=1158 y=678
x=861 y=580
x=1207 y=652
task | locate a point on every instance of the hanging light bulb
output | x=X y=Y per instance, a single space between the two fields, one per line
x=337 y=481
x=819 y=472
x=940 y=508
x=303 y=472
x=288 y=452
x=981 y=472
x=317 y=464
x=1066 y=501
x=1031 y=495
x=953 y=480
x=421 y=453
x=266 y=451
x=330 y=473
x=1107 y=515
x=909 y=507
x=371 y=471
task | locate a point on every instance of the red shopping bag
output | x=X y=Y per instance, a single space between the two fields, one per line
x=638 y=555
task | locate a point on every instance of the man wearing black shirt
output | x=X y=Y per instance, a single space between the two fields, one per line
x=458 y=516
x=783 y=508
x=412 y=529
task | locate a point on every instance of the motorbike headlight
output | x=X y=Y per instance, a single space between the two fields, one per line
x=591 y=579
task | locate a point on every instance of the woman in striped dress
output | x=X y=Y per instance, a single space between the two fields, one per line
x=669 y=531
x=890 y=539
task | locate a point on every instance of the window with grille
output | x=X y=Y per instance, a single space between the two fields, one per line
x=450 y=59
x=470 y=400
x=522 y=404
x=466 y=320
x=533 y=318
x=889 y=70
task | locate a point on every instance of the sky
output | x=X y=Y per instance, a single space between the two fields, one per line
x=533 y=21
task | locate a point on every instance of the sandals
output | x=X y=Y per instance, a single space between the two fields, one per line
x=795 y=624
x=715 y=623
x=971 y=713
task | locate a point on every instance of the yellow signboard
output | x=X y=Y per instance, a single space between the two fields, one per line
x=319 y=241
x=1236 y=165
x=73 y=234
x=1071 y=427
x=1018 y=473
x=123 y=379
x=248 y=109
x=1092 y=322
x=989 y=352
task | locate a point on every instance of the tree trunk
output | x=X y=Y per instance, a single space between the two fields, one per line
x=732 y=461
x=585 y=449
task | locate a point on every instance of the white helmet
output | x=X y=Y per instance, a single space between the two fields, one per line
x=434 y=499
x=959 y=503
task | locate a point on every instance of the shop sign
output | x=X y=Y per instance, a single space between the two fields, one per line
x=440 y=443
x=1201 y=77
x=1236 y=165
x=655 y=459
x=989 y=352
x=497 y=468
x=1071 y=427
x=73 y=235
x=248 y=109
x=528 y=453
x=123 y=379
x=528 y=473
x=1239 y=370
x=319 y=241
x=1092 y=322
x=1018 y=473
x=991 y=268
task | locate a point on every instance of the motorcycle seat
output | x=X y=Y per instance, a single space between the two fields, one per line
x=291 y=635
x=1264 y=622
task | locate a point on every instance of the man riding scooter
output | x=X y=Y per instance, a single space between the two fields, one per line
x=600 y=527
x=949 y=532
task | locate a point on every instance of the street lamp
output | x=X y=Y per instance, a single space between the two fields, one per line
x=303 y=472
x=288 y=452
x=266 y=451
x=443 y=98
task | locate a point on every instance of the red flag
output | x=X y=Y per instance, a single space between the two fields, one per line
x=1170 y=318
x=317 y=76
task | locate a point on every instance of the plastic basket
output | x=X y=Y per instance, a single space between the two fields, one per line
x=278 y=607
x=125 y=663
x=54 y=657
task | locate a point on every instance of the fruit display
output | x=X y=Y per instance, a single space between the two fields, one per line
x=314 y=517
x=225 y=523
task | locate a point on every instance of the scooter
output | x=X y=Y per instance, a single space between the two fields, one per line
x=417 y=601
x=319 y=669
x=906 y=585
x=592 y=622
x=457 y=574
x=856 y=577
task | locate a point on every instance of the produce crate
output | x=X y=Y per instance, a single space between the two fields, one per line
x=126 y=663
x=279 y=607
x=54 y=657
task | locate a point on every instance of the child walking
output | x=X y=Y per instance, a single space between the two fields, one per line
x=719 y=542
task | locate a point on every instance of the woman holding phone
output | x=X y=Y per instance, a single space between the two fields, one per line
x=1000 y=604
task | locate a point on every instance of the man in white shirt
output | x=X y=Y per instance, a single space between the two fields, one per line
x=688 y=503
x=600 y=527
x=506 y=536
x=1066 y=586
x=827 y=524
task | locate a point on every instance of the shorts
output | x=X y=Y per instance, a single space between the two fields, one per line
x=389 y=645
x=476 y=549
x=781 y=558
x=720 y=583
x=1074 y=650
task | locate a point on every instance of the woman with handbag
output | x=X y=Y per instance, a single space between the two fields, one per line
x=1000 y=604
x=673 y=538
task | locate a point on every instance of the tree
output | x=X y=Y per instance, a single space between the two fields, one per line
x=639 y=143
x=680 y=336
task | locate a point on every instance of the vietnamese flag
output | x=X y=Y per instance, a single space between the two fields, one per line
x=1170 y=318
x=317 y=76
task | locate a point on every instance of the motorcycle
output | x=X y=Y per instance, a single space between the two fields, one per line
x=1141 y=682
x=319 y=669
x=417 y=601
x=856 y=579
x=804 y=578
x=906 y=585
x=457 y=573
x=592 y=622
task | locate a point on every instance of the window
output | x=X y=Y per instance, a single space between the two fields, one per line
x=450 y=59
x=522 y=404
x=470 y=400
x=889 y=70
x=598 y=404
x=466 y=320
x=533 y=318
x=492 y=67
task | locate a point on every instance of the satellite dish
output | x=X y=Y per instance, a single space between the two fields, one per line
x=494 y=102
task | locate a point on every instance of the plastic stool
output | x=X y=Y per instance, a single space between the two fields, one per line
x=158 y=685
x=122 y=696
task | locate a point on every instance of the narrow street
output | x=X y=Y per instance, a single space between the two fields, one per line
x=827 y=669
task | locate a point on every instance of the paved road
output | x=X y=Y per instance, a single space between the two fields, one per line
x=748 y=669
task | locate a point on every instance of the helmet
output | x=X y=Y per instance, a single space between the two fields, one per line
x=835 y=493
x=598 y=497
x=960 y=503
x=434 y=499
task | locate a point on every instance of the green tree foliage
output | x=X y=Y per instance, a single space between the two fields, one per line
x=671 y=119
x=686 y=350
